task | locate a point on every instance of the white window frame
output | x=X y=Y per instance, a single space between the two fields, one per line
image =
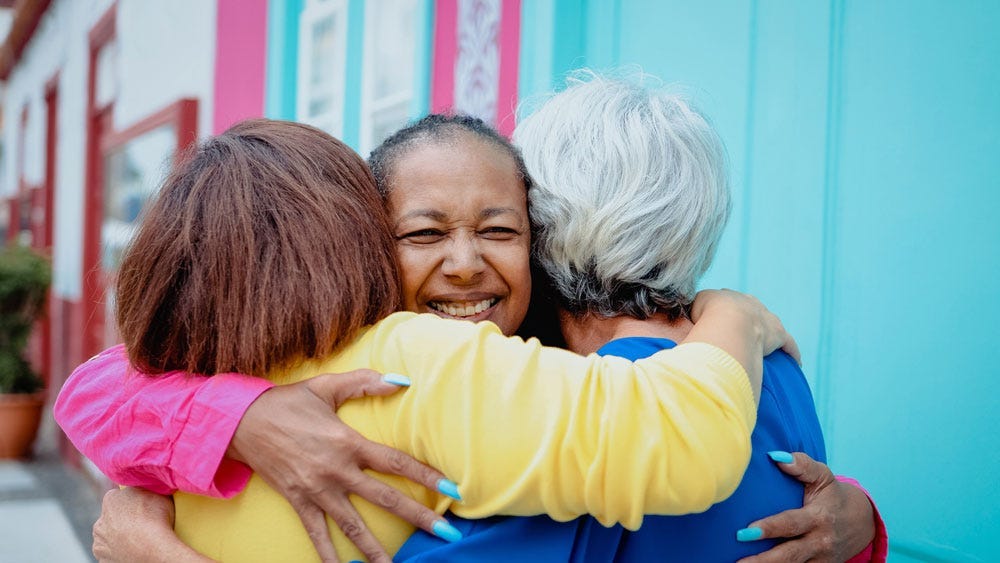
x=370 y=105
x=332 y=120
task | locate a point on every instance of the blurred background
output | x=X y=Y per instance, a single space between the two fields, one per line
x=864 y=140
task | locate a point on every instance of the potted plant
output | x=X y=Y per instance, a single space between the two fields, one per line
x=24 y=283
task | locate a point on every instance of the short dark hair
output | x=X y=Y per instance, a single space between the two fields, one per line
x=266 y=245
x=437 y=127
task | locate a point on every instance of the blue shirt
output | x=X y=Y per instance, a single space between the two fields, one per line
x=786 y=420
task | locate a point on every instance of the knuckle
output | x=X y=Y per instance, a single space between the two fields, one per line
x=353 y=528
x=396 y=460
x=388 y=498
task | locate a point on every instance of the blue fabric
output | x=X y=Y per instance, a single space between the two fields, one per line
x=786 y=420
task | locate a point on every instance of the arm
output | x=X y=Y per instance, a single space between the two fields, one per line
x=564 y=435
x=162 y=433
x=837 y=520
x=138 y=526
x=173 y=432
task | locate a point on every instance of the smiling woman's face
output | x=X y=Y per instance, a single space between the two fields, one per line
x=460 y=217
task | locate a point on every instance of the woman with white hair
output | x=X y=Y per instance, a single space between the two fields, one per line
x=628 y=205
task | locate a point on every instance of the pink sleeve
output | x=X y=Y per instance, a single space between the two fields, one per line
x=878 y=550
x=162 y=433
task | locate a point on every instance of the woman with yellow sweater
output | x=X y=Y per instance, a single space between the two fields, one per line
x=227 y=275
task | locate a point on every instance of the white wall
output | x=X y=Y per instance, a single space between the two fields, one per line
x=166 y=52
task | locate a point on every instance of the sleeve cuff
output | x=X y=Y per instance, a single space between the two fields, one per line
x=878 y=550
x=201 y=448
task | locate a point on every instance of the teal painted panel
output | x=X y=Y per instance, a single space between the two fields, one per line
x=916 y=251
x=351 y=134
x=421 y=102
x=784 y=170
x=282 y=57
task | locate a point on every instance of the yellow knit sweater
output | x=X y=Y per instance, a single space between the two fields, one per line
x=522 y=428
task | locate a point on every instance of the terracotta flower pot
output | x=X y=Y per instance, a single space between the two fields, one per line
x=20 y=415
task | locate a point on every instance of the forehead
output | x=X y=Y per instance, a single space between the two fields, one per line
x=455 y=174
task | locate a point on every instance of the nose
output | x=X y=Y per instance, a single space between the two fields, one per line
x=464 y=262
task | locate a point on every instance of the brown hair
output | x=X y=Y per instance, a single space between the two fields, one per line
x=266 y=245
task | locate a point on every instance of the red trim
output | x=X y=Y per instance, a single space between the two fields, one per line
x=183 y=113
x=445 y=53
x=51 y=147
x=509 y=45
x=97 y=121
x=27 y=16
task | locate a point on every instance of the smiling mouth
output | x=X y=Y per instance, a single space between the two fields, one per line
x=467 y=309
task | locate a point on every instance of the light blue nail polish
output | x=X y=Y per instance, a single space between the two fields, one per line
x=446 y=531
x=448 y=488
x=396 y=379
x=749 y=534
x=781 y=457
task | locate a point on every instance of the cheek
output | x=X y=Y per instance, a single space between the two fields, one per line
x=413 y=271
x=513 y=266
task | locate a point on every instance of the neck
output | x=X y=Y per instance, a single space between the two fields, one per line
x=585 y=335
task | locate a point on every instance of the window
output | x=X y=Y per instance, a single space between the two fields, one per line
x=390 y=67
x=321 y=65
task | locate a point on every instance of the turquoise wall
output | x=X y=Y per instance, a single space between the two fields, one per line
x=865 y=156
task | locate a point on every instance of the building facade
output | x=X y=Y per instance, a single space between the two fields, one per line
x=861 y=135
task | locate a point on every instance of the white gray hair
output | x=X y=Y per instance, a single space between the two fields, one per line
x=630 y=195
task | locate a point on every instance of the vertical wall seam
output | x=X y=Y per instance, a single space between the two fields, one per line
x=748 y=148
x=830 y=197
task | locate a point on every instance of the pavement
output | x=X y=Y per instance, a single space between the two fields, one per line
x=47 y=509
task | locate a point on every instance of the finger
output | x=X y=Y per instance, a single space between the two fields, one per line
x=789 y=552
x=807 y=470
x=388 y=460
x=380 y=494
x=337 y=388
x=791 y=347
x=314 y=522
x=350 y=523
x=788 y=524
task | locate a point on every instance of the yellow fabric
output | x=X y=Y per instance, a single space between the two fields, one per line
x=522 y=428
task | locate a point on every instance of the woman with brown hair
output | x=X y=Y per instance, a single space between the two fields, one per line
x=229 y=247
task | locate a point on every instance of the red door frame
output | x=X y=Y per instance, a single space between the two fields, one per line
x=98 y=119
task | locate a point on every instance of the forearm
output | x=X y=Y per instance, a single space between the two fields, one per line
x=578 y=435
x=162 y=433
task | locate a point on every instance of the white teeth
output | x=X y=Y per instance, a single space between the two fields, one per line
x=463 y=309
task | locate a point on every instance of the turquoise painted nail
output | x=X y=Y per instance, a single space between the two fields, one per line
x=446 y=531
x=448 y=488
x=781 y=457
x=749 y=534
x=396 y=379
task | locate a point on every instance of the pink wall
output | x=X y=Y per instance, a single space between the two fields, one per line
x=446 y=52
x=240 y=61
x=510 y=39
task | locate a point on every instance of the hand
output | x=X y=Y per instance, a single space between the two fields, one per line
x=138 y=526
x=835 y=522
x=293 y=439
x=772 y=333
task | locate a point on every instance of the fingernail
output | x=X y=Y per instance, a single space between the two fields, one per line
x=781 y=457
x=749 y=534
x=446 y=531
x=448 y=488
x=396 y=379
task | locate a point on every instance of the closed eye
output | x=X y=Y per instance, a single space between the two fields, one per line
x=421 y=236
x=499 y=233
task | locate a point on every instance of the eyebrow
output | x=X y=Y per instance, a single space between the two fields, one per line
x=441 y=216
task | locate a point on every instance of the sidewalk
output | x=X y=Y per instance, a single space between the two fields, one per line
x=46 y=511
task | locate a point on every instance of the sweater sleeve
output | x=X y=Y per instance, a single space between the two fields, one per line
x=528 y=430
x=162 y=433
